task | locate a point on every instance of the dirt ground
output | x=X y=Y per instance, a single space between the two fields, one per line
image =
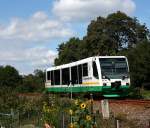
x=137 y=112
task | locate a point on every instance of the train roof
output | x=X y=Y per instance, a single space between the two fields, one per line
x=81 y=62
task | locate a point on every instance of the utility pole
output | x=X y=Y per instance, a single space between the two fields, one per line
x=91 y=98
x=71 y=98
x=63 y=120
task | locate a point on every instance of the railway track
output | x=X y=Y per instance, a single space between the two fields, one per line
x=127 y=101
x=131 y=101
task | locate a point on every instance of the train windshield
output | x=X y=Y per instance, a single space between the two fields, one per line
x=114 y=68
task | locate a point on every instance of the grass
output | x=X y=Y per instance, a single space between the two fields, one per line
x=145 y=94
x=28 y=126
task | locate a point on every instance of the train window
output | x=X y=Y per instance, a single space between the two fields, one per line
x=52 y=77
x=74 y=75
x=48 y=75
x=57 y=77
x=95 y=72
x=85 y=69
x=80 y=74
x=65 y=76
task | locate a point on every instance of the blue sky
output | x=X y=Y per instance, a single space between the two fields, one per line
x=31 y=30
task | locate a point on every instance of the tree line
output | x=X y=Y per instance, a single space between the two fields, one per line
x=116 y=34
x=11 y=79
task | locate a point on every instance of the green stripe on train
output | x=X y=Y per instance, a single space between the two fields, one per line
x=104 y=90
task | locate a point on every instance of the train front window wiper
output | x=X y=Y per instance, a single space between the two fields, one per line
x=125 y=77
x=104 y=76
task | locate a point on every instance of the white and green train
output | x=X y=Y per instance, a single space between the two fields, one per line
x=104 y=75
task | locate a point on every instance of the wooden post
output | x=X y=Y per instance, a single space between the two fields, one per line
x=105 y=108
x=117 y=124
x=149 y=124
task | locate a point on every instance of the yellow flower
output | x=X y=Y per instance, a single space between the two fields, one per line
x=71 y=125
x=48 y=110
x=89 y=102
x=76 y=102
x=71 y=112
x=75 y=123
x=44 y=109
x=83 y=106
x=94 y=126
x=77 y=111
x=88 y=117
x=45 y=103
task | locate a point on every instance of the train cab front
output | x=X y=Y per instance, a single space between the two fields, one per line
x=115 y=87
x=115 y=77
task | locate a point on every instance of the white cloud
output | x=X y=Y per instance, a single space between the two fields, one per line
x=34 y=58
x=37 y=28
x=85 y=10
x=19 y=41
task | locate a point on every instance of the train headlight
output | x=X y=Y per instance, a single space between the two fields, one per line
x=104 y=84
x=104 y=77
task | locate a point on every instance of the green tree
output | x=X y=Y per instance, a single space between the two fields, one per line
x=69 y=51
x=33 y=82
x=139 y=62
x=110 y=35
x=39 y=78
x=9 y=76
x=28 y=84
x=105 y=36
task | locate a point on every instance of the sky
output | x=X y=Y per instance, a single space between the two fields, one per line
x=31 y=30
